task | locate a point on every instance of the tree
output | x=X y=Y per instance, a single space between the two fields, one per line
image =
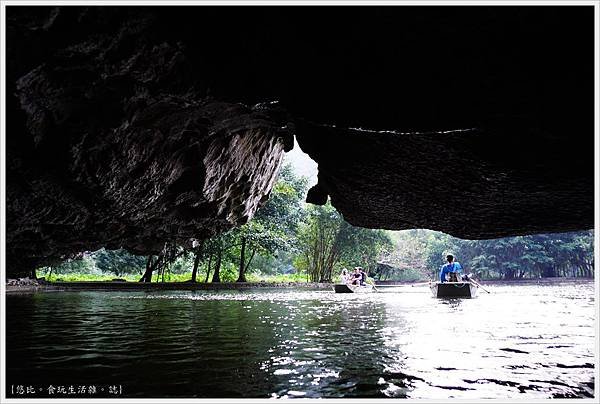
x=327 y=241
x=275 y=224
x=534 y=256
x=407 y=256
x=317 y=237
x=197 y=249
x=169 y=254
x=118 y=262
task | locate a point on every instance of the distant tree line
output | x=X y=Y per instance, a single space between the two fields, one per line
x=420 y=253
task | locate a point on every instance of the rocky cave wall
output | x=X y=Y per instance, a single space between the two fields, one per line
x=131 y=126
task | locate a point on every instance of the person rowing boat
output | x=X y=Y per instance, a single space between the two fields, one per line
x=450 y=271
x=357 y=277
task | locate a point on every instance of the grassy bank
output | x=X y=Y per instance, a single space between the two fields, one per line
x=102 y=277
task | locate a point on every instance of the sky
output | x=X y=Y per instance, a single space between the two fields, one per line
x=302 y=163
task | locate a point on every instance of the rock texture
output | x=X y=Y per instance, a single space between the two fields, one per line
x=469 y=183
x=130 y=126
x=111 y=152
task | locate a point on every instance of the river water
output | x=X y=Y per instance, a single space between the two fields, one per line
x=519 y=341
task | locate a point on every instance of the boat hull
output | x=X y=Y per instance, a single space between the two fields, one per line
x=343 y=288
x=454 y=289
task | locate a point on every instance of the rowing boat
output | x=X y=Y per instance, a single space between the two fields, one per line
x=453 y=289
x=345 y=288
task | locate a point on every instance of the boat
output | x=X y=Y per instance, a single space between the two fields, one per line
x=454 y=289
x=345 y=288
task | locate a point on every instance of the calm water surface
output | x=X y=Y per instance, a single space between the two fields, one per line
x=520 y=341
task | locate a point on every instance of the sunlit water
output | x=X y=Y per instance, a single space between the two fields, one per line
x=520 y=341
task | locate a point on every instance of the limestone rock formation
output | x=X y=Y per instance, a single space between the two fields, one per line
x=131 y=126
x=469 y=183
x=111 y=153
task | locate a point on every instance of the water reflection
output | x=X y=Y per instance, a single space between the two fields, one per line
x=332 y=350
x=519 y=341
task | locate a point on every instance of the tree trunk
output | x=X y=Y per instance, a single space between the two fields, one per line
x=246 y=266
x=208 y=268
x=196 y=262
x=217 y=274
x=198 y=251
x=242 y=275
x=166 y=268
x=147 y=277
x=151 y=266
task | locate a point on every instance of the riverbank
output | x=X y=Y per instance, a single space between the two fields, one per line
x=29 y=286
x=522 y=281
x=26 y=285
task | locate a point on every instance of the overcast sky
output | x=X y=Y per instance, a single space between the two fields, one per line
x=302 y=163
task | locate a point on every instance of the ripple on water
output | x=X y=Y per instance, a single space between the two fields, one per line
x=301 y=344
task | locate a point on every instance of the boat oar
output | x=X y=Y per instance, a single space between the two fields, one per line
x=476 y=283
x=372 y=283
x=420 y=284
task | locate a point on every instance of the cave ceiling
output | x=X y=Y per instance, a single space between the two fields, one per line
x=131 y=126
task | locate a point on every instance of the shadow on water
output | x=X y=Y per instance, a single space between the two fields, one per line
x=452 y=302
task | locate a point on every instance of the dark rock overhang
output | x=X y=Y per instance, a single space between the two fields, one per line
x=471 y=183
x=129 y=126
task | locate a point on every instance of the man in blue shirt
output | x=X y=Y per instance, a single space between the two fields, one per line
x=452 y=268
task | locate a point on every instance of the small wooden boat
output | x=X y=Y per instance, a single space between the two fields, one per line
x=454 y=289
x=345 y=288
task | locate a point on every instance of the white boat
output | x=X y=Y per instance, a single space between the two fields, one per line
x=345 y=288
x=454 y=289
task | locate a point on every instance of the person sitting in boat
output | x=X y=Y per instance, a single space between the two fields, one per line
x=452 y=269
x=356 y=276
x=345 y=276
x=363 y=276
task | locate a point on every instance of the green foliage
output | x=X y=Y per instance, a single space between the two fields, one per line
x=362 y=247
x=229 y=272
x=81 y=277
x=416 y=255
x=328 y=243
x=271 y=231
x=118 y=262
x=317 y=238
x=543 y=255
x=95 y=277
x=278 y=278
x=182 y=265
x=275 y=224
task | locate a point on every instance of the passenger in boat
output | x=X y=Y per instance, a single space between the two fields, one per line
x=452 y=269
x=363 y=276
x=356 y=276
x=345 y=276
